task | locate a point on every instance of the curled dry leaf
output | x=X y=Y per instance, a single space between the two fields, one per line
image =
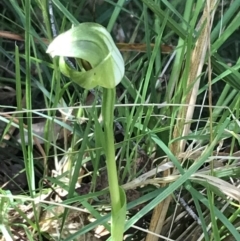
x=225 y=187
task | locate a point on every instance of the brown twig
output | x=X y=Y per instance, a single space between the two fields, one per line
x=125 y=47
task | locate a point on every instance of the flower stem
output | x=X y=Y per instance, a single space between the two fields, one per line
x=107 y=113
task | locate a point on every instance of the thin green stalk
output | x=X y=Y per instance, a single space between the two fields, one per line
x=115 y=14
x=107 y=112
x=29 y=161
x=218 y=30
x=177 y=65
x=157 y=29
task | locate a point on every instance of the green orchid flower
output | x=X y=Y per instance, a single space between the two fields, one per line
x=90 y=42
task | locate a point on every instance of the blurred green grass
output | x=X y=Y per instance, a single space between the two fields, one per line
x=150 y=98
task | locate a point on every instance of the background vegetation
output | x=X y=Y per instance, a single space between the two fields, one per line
x=176 y=123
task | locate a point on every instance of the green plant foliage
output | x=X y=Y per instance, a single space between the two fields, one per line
x=91 y=44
